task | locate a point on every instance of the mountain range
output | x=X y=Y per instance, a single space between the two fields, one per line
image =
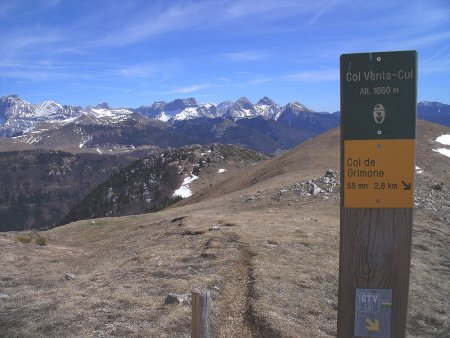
x=20 y=117
x=265 y=126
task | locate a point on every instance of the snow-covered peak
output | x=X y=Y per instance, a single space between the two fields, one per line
x=223 y=106
x=296 y=106
x=159 y=105
x=110 y=115
x=18 y=116
x=240 y=109
x=48 y=108
x=267 y=108
x=180 y=104
x=188 y=114
x=208 y=105
x=266 y=101
x=243 y=101
x=13 y=107
x=101 y=112
x=11 y=99
x=430 y=104
x=103 y=105
x=292 y=111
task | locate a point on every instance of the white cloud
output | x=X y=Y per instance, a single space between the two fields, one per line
x=326 y=7
x=140 y=70
x=271 y=9
x=189 y=89
x=173 y=19
x=314 y=76
x=246 y=56
x=25 y=39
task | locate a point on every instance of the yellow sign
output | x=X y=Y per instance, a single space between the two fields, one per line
x=372 y=325
x=379 y=173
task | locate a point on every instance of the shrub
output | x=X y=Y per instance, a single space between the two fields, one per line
x=24 y=238
x=41 y=240
x=28 y=238
x=195 y=170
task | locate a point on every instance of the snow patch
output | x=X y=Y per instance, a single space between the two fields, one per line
x=443 y=151
x=444 y=139
x=187 y=114
x=163 y=117
x=116 y=115
x=68 y=120
x=184 y=191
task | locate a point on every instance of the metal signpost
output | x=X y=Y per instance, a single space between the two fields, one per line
x=378 y=131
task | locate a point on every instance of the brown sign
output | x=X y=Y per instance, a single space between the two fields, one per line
x=379 y=173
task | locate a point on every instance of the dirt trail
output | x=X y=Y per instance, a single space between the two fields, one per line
x=238 y=316
x=234 y=321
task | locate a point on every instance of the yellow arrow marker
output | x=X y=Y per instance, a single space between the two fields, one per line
x=372 y=325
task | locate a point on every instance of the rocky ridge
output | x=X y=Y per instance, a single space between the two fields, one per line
x=18 y=116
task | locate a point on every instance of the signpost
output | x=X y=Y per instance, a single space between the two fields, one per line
x=378 y=130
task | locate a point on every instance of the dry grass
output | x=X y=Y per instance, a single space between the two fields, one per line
x=122 y=275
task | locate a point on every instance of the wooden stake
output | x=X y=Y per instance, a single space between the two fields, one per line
x=201 y=306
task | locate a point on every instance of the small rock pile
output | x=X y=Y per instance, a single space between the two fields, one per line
x=4 y=296
x=69 y=276
x=323 y=185
x=181 y=299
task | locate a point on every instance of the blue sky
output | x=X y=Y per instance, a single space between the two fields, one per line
x=132 y=53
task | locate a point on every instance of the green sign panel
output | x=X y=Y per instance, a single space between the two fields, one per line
x=378 y=95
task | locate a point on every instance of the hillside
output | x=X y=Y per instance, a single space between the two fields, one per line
x=39 y=187
x=155 y=182
x=42 y=188
x=261 y=240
